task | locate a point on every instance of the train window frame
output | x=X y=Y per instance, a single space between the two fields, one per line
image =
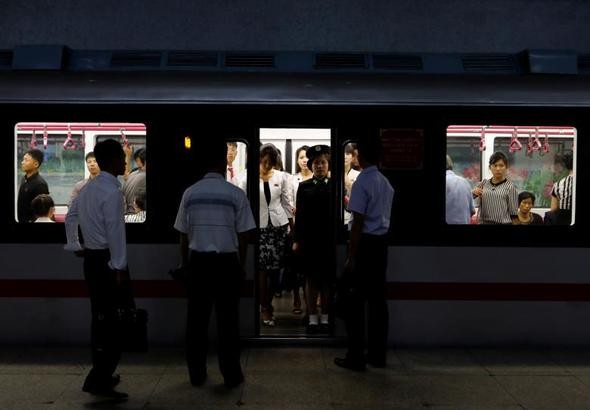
x=530 y=140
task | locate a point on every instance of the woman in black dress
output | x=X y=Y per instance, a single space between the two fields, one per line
x=312 y=237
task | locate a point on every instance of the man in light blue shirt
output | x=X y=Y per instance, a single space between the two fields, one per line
x=460 y=206
x=366 y=264
x=98 y=211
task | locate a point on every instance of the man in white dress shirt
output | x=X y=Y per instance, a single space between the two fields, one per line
x=366 y=263
x=98 y=210
x=213 y=219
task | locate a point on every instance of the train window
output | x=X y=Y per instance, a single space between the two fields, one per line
x=55 y=160
x=537 y=163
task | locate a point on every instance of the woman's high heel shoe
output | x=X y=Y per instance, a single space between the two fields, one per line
x=267 y=318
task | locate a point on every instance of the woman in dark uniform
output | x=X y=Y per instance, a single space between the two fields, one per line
x=312 y=236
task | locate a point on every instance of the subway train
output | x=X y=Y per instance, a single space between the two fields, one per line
x=452 y=285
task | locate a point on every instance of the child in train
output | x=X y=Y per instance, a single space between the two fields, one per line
x=43 y=208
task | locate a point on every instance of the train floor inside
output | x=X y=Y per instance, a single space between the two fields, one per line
x=306 y=378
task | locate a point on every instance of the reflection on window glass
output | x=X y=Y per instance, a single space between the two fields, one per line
x=517 y=175
x=237 y=164
x=56 y=160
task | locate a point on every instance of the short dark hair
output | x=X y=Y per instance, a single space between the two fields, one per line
x=272 y=152
x=497 y=156
x=301 y=148
x=106 y=152
x=140 y=153
x=368 y=148
x=41 y=205
x=566 y=159
x=215 y=150
x=349 y=148
x=232 y=144
x=140 y=199
x=89 y=155
x=36 y=154
x=526 y=195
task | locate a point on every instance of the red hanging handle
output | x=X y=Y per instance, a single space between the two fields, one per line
x=124 y=137
x=515 y=144
x=546 y=147
x=69 y=143
x=45 y=137
x=534 y=143
x=482 y=140
x=33 y=143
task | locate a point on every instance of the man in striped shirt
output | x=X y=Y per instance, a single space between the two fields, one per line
x=213 y=219
x=562 y=193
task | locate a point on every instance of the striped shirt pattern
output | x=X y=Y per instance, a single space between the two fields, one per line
x=563 y=190
x=212 y=212
x=498 y=202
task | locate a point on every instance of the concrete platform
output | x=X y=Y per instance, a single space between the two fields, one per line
x=306 y=378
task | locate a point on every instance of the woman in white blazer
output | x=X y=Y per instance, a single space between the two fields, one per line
x=276 y=218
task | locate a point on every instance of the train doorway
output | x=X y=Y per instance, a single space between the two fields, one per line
x=290 y=304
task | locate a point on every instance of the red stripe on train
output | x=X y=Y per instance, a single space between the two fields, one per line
x=42 y=288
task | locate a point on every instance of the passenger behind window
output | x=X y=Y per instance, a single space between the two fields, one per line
x=526 y=202
x=43 y=208
x=136 y=180
x=232 y=174
x=497 y=197
x=31 y=185
x=459 y=201
x=93 y=169
x=562 y=194
x=139 y=206
x=351 y=172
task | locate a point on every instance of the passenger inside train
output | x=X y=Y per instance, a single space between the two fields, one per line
x=63 y=154
x=499 y=163
x=287 y=308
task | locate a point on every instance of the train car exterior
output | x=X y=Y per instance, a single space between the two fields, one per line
x=447 y=284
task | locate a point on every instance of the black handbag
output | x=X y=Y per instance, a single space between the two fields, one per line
x=130 y=323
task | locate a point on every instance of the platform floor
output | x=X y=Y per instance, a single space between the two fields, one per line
x=305 y=378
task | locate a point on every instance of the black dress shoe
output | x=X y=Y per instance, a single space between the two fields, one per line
x=350 y=365
x=230 y=383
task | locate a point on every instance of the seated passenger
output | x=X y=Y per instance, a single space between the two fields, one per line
x=43 y=208
x=139 y=205
x=526 y=202
x=93 y=169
